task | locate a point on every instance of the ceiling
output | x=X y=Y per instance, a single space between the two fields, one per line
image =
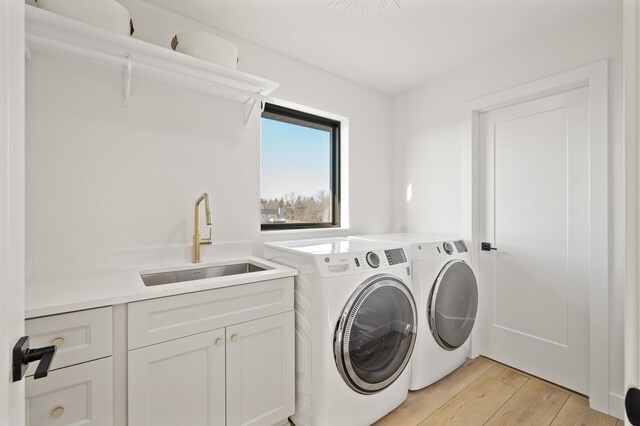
x=392 y=51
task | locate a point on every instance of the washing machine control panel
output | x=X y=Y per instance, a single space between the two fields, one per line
x=395 y=256
x=367 y=259
x=375 y=259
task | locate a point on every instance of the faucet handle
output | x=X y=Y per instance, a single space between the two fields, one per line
x=207 y=241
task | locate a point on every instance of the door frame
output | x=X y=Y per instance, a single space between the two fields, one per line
x=12 y=218
x=595 y=78
x=631 y=68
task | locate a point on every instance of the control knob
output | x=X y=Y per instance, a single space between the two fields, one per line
x=373 y=260
x=448 y=248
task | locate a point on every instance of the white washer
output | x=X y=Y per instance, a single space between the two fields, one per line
x=446 y=293
x=356 y=326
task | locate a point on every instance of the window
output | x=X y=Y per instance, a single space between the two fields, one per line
x=300 y=166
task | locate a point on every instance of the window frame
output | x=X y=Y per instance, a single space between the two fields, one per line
x=335 y=165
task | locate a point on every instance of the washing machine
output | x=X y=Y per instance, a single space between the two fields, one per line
x=446 y=293
x=356 y=324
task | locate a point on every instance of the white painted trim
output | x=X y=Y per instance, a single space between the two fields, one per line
x=594 y=77
x=120 y=355
x=12 y=211
x=616 y=405
x=631 y=16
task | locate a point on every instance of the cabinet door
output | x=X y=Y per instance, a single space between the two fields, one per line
x=181 y=382
x=260 y=371
x=78 y=395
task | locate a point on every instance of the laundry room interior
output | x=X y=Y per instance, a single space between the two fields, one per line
x=319 y=212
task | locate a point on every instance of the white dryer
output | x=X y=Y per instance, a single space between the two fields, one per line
x=446 y=293
x=356 y=326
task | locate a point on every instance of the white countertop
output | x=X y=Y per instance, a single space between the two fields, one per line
x=66 y=293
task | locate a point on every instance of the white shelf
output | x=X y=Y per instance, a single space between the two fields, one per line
x=62 y=36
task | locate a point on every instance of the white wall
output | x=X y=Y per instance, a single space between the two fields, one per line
x=427 y=131
x=105 y=181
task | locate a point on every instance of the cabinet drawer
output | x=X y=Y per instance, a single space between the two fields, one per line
x=159 y=320
x=81 y=336
x=82 y=394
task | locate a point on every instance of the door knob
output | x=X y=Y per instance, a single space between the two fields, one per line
x=234 y=338
x=487 y=247
x=23 y=355
x=632 y=406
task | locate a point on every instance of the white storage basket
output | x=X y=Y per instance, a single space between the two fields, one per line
x=108 y=14
x=206 y=46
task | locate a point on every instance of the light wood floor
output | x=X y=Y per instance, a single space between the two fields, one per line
x=484 y=392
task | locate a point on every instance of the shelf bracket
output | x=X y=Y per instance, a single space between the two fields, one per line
x=127 y=80
x=27 y=52
x=250 y=107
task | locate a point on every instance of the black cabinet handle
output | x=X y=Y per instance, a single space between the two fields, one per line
x=23 y=355
x=487 y=247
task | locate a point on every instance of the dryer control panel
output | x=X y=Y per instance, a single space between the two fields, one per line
x=448 y=247
x=460 y=246
x=435 y=249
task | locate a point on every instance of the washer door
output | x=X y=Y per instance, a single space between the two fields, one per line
x=376 y=333
x=453 y=305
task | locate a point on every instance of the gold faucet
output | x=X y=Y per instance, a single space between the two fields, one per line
x=197 y=240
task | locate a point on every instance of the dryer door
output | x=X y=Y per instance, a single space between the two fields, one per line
x=376 y=333
x=453 y=305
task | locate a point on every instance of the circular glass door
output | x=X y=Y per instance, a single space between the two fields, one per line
x=376 y=333
x=453 y=305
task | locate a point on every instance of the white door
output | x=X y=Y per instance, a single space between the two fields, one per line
x=534 y=208
x=11 y=204
x=180 y=382
x=260 y=371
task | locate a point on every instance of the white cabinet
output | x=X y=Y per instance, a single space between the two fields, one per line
x=180 y=382
x=183 y=381
x=260 y=371
x=211 y=358
x=216 y=357
x=77 y=395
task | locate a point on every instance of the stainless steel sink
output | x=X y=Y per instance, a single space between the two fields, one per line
x=172 y=277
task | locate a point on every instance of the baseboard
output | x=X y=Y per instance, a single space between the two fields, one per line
x=616 y=405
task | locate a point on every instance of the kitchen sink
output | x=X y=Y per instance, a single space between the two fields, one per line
x=172 y=277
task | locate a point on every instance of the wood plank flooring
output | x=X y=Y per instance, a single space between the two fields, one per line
x=484 y=392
